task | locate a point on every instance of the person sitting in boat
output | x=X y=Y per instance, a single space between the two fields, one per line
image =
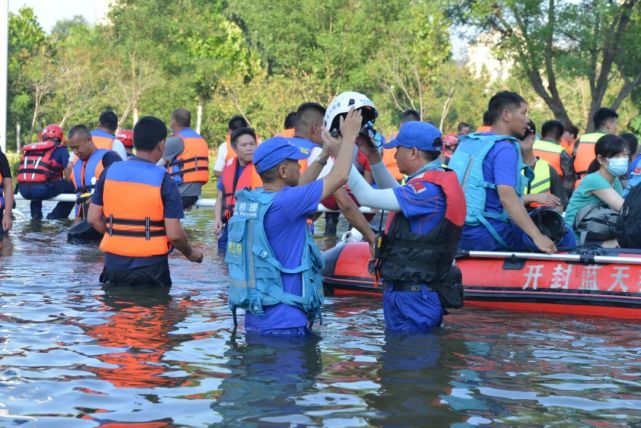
x=274 y=264
x=41 y=173
x=414 y=258
x=238 y=173
x=598 y=199
x=488 y=165
x=91 y=162
x=545 y=189
x=309 y=127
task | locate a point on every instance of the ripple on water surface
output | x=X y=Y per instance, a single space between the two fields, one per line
x=74 y=354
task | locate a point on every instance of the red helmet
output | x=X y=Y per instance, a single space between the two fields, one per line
x=52 y=132
x=450 y=141
x=126 y=136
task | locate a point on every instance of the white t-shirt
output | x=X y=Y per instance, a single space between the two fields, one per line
x=221 y=157
x=316 y=151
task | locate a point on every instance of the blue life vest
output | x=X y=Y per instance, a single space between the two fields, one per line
x=634 y=178
x=86 y=183
x=254 y=271
x=467 y=162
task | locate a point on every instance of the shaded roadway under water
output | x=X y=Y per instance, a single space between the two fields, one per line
x=74 y=354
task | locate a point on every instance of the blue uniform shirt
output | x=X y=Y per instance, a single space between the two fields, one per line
x=285 y=227
x=423 y=204
x=61 y=155
x=173 y=208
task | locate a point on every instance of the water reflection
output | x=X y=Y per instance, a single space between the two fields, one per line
x=267 y=376
x=138 y=333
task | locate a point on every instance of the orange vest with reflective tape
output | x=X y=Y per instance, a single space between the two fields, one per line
x=134 y=210
x=102 y=139
x=585 y=153
x=192 y=165
x=249 y=178
x=549 y=152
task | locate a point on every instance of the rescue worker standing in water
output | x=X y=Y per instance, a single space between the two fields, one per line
x=415 y=256
x=90 y=163
x=187 y=158
x=137 y=207
x=274 y=264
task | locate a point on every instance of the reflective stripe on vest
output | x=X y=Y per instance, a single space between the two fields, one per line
x=248 y=178
x=467 y=162
x=192 y=165
x=37 y=165
x=102 y=139
x=134 y=210
x=255 y=272
x=585 y=152
x=549 y=152
x=86 y=173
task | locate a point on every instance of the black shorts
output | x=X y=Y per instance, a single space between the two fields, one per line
x=188 y=201
x=153 y=275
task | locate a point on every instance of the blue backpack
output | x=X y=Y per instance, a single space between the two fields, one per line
x=467 y=162
x=254 y=271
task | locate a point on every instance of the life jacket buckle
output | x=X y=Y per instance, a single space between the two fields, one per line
x=147 y=228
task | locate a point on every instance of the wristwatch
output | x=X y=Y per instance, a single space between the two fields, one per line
x=322 y=162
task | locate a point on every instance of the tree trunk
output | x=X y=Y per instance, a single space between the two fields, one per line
x=135 y=114
x=18 y=142
x=199 y=115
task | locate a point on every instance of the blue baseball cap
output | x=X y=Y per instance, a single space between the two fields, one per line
x=422 y=135
x=277 y=149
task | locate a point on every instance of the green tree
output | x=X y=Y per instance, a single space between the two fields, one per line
x=551 y=40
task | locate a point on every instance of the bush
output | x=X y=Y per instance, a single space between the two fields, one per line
x=14 y=160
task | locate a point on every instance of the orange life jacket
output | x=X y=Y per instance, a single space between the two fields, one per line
x=102 y=139
x=192 y=165
x=36 y=164
x=549 y=152
x=568 y=145
x=288 y=133
x=585 y=153
x=484 y=128
x=85 y=174
x=134 y=210
x=230 y=150
x=249 y=178
x=390 y=163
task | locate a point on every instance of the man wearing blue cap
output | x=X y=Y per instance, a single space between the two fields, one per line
x=414 y=256
x=274 y=264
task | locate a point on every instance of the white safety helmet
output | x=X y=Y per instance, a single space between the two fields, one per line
x=341 y=105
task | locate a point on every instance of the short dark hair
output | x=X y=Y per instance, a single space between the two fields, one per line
x=149 y=131
x=240 y=132
x=236 y=122
x=303 y=119
x=501 y=101
x=462 y=125
x=429 y=155
x=602 y=115
x=569 y=127
x=182 y=117
x=486 y=119
x=632 y=141
x=410 y=115
x=290 y=120
x=109 y=120
x=553 y=129
x=270 y=175
x=80 y=130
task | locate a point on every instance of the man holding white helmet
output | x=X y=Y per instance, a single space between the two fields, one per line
x=414 y=257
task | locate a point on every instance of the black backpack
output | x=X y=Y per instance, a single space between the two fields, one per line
x=628 y=229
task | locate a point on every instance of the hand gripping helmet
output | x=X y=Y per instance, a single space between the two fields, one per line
x=341 y=105
x=126 y=136
x=52 y=133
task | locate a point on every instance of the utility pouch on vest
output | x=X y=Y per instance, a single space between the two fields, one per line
x=450 y=292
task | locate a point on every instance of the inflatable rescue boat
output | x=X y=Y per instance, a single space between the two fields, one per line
x=606 y=282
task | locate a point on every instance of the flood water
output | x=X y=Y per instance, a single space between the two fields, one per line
x=73 y=354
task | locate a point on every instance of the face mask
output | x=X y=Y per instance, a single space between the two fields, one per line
x=617 y=166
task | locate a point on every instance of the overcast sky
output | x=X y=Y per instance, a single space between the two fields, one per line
x=51 y=11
